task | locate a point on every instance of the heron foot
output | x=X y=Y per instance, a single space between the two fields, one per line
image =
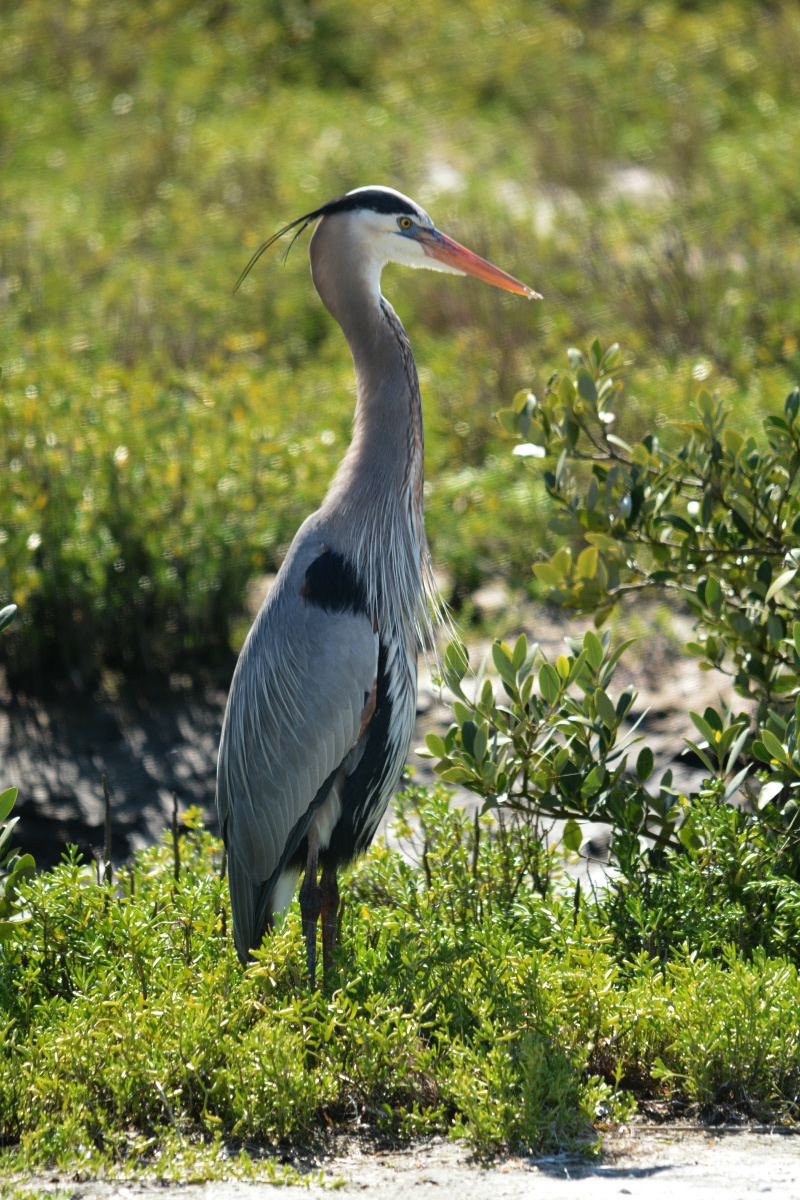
x=330 y=910
x=310 y=908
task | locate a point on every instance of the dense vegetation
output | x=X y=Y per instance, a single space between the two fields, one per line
x=160 y=440
x=470 y=1000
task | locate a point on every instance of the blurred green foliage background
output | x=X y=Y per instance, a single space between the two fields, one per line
x=161 y=439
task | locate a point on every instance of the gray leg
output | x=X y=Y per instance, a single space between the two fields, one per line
x=310 y=906
x=330 y=910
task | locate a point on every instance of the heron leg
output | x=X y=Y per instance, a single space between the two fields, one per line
x=310 y=907
x=330 y=909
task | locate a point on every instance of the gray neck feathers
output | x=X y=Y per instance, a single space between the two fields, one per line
x=375 y=500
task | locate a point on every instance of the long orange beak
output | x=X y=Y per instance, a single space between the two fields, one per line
x=445 y=250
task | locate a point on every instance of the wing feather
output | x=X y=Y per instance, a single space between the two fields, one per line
x=293 y=715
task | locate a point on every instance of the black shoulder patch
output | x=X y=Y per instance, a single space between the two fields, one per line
x=331 y=583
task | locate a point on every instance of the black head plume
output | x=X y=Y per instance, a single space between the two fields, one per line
x=376 y=199
x=303 y=222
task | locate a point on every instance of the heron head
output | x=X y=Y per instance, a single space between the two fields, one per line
x=402 y=232
x=381 y=225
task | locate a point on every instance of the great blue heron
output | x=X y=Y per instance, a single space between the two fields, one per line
x=322 y=704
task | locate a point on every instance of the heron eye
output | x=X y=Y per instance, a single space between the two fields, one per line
x=405 y=222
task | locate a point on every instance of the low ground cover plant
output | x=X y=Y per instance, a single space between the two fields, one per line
x=466 y=1001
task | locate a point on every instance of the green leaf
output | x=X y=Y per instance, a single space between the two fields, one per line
x=480 y=743
x=617 y=441
x=604 y=543
x=562 y=560
x=705 y=403
x=456 y=659
x=701 y=754
x=508 y=420
x=587 y=389
x=594 y=781
x=702 y=726
x=780 y=583
x=773 y=746
x=713 y=718
x=9 y=926
x=707 y=507
x=7 y=615
x=586 y=566
x=24 y=867
x=468 y=730
x=761 y=751
x=456 y=775
x=713 y=595
x=7 y=799
x=577 y=667
x=612 y=357
x=549 y=683
x=644 y=764
x=741 y=522
x=563 y=666
x=732 y=787
x=566 y=391
x=501 y=657
x=792 y=404
x=610 y=665
x=5 y=834
x=520 y=652
x=732 y=440
x=605 y=708
x=547 y=574
x=572 y=836
x=436 y=745
x=594 y=649
x=768 y=792
x=688 y=835
x=678 y=523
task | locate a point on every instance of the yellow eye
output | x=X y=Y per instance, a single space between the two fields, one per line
x=405 y=222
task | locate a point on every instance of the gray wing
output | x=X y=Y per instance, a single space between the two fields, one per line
x=295 y=711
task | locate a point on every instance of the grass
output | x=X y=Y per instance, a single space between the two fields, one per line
x=161 y=440
x=468 y=1000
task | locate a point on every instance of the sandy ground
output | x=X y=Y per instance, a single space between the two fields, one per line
x=644 y=1163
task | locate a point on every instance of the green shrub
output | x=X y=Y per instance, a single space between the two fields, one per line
x=733 y=884
x=714 y=522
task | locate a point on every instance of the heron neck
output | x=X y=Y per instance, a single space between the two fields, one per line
x=384 y=462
